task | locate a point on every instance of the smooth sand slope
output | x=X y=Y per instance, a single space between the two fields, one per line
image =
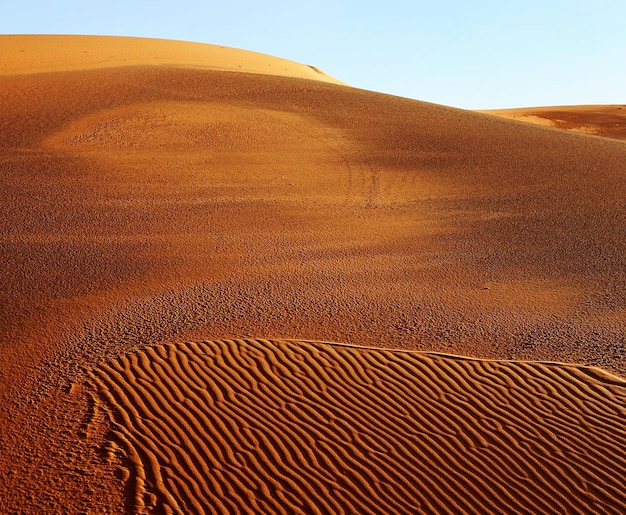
x=607 y=121
x=145 y=203
x=23 y=55
x=257 y=426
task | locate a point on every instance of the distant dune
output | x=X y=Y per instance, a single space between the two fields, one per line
x=155 y=192
x=23 y=55
x=608 y=121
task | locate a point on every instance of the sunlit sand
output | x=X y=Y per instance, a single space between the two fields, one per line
x=608 y=121
x=156 y=193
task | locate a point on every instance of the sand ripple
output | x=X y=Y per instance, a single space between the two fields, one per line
x=257 y=426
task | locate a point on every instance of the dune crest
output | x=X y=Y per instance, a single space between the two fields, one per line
x=270 y=426
x=26 y=54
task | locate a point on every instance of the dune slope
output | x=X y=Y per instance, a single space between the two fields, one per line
x=143 y=203
x=23 y=55
x=256 y=426
x=608 y=121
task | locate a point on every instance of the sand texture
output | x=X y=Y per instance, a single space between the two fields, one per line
x=23 y=55
x=261 y=426
x=206 y=195
x=608 y=121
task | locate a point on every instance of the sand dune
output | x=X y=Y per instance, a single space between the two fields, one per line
x=608 y=121
x=22 y=55
x=145 y=202
x=256 y=426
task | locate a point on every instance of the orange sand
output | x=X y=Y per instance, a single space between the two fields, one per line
x=23 y=55
x=260 y=426
x=608 y=121
x=144 y=203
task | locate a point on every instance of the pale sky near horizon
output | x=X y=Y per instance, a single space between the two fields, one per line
x=474 y=54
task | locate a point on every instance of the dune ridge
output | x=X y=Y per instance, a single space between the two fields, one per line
x=286 y=426
x=27 y=54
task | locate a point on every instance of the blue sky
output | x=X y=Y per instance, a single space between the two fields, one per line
x=473 y=54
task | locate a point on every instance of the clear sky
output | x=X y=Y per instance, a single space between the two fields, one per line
x=473 y=54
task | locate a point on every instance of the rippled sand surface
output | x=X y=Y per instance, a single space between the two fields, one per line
x=257 y=426
x=154 y=193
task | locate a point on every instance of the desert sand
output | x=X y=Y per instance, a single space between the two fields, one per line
x=302 y=427
x=607 y=121
x=24 y=55
x=258 y=207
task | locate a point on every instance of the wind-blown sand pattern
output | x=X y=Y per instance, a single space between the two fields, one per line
x=155 y=192
x=258 y=426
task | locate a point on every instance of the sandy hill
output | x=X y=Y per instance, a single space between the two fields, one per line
x=203 y=196
x=23 y=55
x=608 y=121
